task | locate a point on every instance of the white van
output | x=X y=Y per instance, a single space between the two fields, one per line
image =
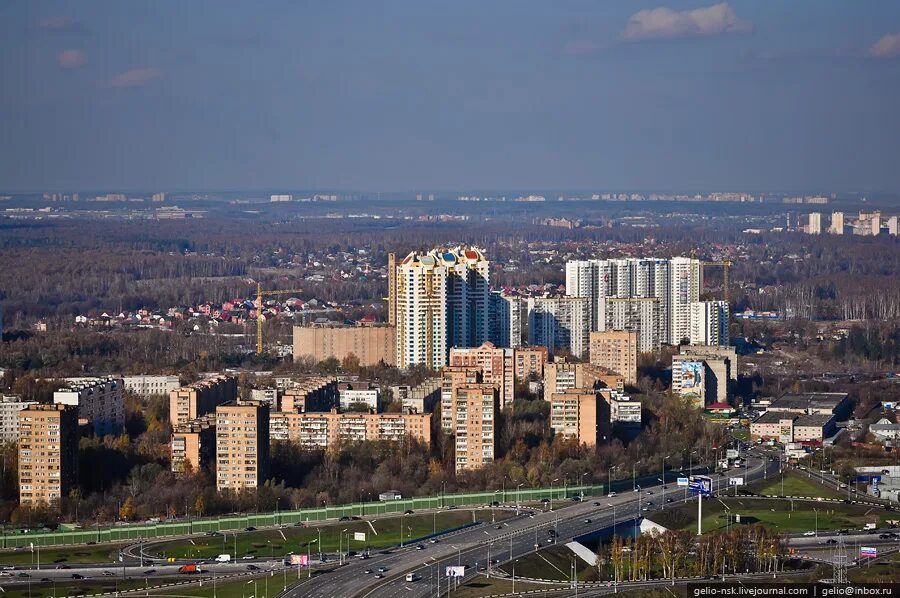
x=412 y=577
x=223 y=558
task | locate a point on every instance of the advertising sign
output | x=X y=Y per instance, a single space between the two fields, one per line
x=870 y=551
x=683 y=481
x=700 y=485
x=735 y=481
x=456 y=571
x=732 y=453
x=299 y=559
x=359 y=536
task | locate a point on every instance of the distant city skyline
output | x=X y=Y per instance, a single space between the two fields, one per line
x=406 y=96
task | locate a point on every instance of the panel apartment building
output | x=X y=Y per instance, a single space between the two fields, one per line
x=48 y=453
x=197 y=399
x=328 y=430
x=474 y=411
x=581 y=414
x=100 y=402
x=497 y=366
x=242 y=446
x=371 y=344
x=194 y=443
x=10 y=405
x=615 y=350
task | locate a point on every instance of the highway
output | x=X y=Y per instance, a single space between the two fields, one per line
x=514 y=539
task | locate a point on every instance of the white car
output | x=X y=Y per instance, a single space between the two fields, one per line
x=611 y=494
x=809 y=533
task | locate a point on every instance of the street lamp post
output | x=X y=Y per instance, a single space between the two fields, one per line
x=581 y=483
x=551 y=492
x=518 y=496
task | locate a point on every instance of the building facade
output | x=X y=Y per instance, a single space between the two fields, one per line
x=616 y=350
x=196 y=400
x=328 y=430
x=559 y=323
x=560 y=377
x=582 y=415
x=100 y=402
x=529 y=362
x=370 y=344
x=150 y=386
x=497 y=367
x=194 y=443
x=474 y=411
x=637 y=314
x=10 y=405
x=242 y=446
x=48 y=453
x=441 y=299
x=505 y=319
x=709 y=323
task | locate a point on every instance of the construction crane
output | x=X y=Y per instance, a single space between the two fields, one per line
x=260 y=293
x=726 y=276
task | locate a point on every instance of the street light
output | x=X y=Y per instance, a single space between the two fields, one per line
x=551 y=492
x=633 y=479
x=581 y=483
x=518 y=496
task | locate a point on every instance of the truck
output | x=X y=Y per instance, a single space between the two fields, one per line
x=189 y=568
x=223 y=558
x=869 y=526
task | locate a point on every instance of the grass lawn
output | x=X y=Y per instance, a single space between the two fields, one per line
x=884 y=571
x=74 y=588
x=796 y=483
x=81 y=554
x=275 y=542
x=482 y=586
x=264 y=587
x=552 y=563
x=742 y=434
x=771 y=513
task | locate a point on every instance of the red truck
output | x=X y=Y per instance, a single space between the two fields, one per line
x=189 y=568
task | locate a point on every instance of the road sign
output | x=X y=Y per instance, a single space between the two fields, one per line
x=359 y=536
x=732 y=453
x=456 y=571
x=869 y=551
x=683 y=481
x=735 y=481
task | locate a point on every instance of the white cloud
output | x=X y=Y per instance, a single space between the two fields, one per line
x=71 y=58
x=886 y=47
x=665 y=23
x=135 y=77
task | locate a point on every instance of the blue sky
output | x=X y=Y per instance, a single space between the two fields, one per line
x=422 y=95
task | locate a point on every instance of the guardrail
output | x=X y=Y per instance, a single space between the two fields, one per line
x=124 y=533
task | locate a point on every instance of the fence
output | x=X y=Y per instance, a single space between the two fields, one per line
x=124 y=533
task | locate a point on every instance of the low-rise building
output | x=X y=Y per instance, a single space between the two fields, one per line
x=814 y=403
x=787 y=426
x=624 y=410
x=359 y=396
x=150 y=386
x=884 y=430
x=422 y=398
x=100 y=402
x=315 y=394
x=269 y=396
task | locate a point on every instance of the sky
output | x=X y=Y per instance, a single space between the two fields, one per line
x=419 y=95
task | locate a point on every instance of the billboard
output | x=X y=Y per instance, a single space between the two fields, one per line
x=690 y=374
x=683 y=481
x=359 y=536
x=870 y=551
x=700 y=485
x=456 y=571
x=735 y=481
x=732 y=453
x=299 y=559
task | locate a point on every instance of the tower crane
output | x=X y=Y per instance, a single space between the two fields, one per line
x=260 y=293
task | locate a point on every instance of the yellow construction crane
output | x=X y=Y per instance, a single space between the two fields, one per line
x=726 y=276
x=260 y=293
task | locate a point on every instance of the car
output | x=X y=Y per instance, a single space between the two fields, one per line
x=587 y=520
x=576 y=499
x=665 y=487
x=379 y=576
x=668 y=500
x=252 y=568
x=597 y=503
x=368 y=572
x=22 y=574
x=420 y=547
x=809 y=533
x=356 y=518
x=884 y=536
x=646 y=509
x=5 y=574
x=250 y=529
x=433 y=540
x=63 y=567
x=649 y=503
x=107 y=574
x=495 y=504
x=451 y=507
x=498 y=526
x=551 y=532
x=611 y=494
x=408 y=512
x=382 y=569
x=248 y=557
x=649 y=491
x=344 y=518
x=77 y=576
x=637 y=488
x=545 y=500
x=46 y=579
x=149 y=571
x=831 y=541
x=300 y=524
